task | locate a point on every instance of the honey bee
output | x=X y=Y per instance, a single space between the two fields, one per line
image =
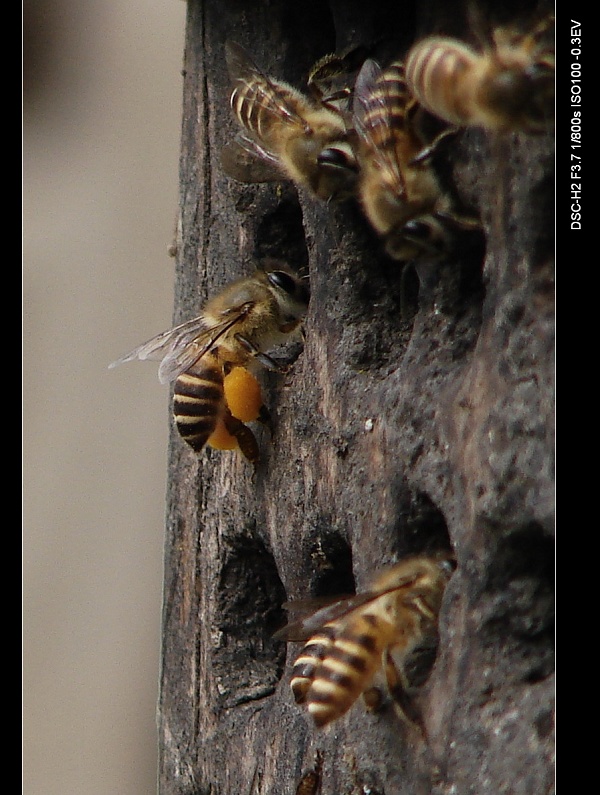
x=508 y=86
x=398 y=188
x=285 y=134
x=351 y=639
x=208 y=358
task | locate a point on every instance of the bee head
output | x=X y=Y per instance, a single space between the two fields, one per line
x=292 y=292
x=523 y=95
x=420 y=237
x=338 y=172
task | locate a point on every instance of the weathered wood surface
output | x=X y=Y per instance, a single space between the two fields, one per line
x=393 y=433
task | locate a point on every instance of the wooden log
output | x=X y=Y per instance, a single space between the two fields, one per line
x=396 y=431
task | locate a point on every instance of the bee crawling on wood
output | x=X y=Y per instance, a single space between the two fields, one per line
x=208 y=358
x=285 y=134
x=348 y=641
x=398 y=188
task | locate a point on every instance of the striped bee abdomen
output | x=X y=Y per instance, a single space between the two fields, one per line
x=347 y=667
x=198 y=402
x=309 y=659
x=436 y=69
x=262 y=106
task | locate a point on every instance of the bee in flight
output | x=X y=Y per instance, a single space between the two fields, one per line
x=209 y=358
x=507 y=86
x=350 y=640
x=398 y=188
x=285 y=134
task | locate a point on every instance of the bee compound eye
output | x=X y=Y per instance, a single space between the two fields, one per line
x=332 y=156
x=417 y=230
x=282 y=280
x=448 y=566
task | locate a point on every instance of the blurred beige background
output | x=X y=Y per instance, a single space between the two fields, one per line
x=101 y=123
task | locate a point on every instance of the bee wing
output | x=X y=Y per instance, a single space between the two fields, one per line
x=319 y=611
x=373 y=118
x=181 y=347
x=239 y=63
x=365 y=99
x=164 y=343
x=246 y=160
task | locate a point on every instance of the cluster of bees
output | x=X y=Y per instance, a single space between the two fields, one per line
x=364 y=142
x=372 y=141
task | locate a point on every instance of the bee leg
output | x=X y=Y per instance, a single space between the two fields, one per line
x=264 y=417
x=336 y=96
x=528 y=41
x=245 y=438
x=463 y=222
x=397 y=685
x=427 y=151
x=261 y=357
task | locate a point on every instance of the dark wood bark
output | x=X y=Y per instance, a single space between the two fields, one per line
x=419 y=416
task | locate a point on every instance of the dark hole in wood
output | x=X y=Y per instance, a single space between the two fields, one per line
x=250 y=595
